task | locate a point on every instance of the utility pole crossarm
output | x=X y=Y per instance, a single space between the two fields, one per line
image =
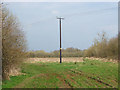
x=60 y=18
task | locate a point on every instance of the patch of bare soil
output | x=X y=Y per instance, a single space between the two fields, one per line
x=69 y=76
x=90 y=77
x=76 y=75
x=65 y=84
x=72 y=59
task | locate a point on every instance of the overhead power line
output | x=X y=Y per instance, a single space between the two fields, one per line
x=76 y=14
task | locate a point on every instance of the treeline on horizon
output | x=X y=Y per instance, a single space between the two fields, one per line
x=102 y=48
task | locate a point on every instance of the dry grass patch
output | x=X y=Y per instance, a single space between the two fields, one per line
x=72 y=59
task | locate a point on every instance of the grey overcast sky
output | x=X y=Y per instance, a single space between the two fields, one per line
x=82 y=23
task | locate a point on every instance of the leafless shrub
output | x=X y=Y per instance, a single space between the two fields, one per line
x=103 y=47
x=13 y=43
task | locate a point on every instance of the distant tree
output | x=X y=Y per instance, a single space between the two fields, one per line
x=112 y=48
x=13 y=43
x=103 y=47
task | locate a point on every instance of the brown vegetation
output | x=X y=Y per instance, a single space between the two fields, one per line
x=103 y=47
x=71 y=59
x=13 y=43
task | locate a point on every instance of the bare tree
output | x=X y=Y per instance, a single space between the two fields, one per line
x=13 y=43
x=103 y=47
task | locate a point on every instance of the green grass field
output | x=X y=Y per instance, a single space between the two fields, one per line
x=87 y=74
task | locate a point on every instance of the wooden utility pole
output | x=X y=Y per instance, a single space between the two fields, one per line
x=60 y=18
